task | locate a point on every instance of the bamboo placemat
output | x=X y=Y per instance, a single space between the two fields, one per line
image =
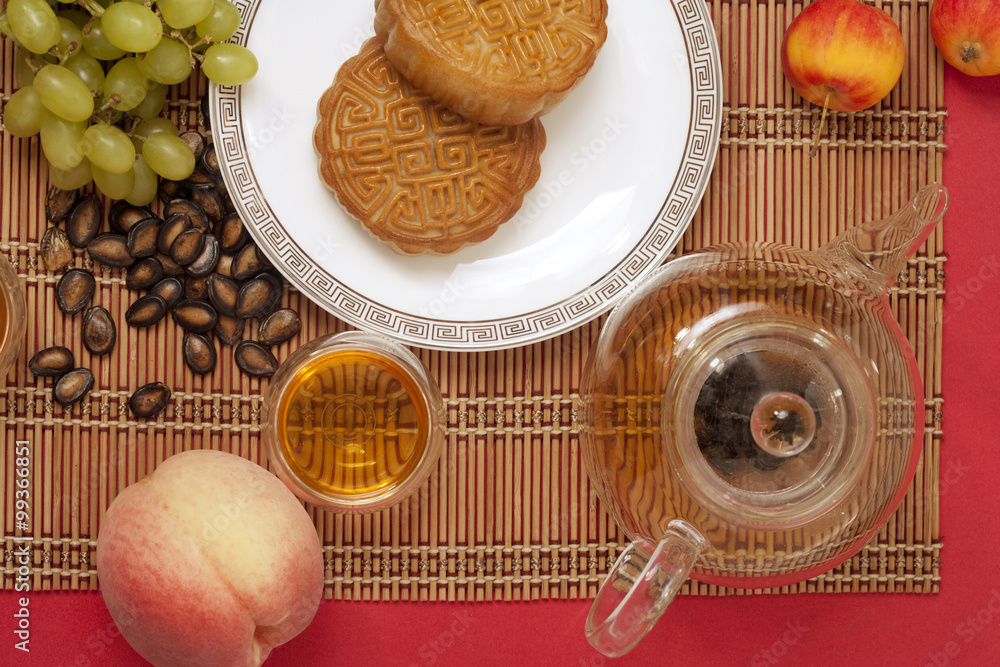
x=509 y=513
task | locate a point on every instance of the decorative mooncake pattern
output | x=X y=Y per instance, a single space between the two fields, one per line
x=418 y=175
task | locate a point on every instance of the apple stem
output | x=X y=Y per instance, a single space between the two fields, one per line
x=822 y=124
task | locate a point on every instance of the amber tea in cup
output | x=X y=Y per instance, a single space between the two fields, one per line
x=13 y=316
x=353 y=422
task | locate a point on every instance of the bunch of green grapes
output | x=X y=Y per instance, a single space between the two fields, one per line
x=100 y=121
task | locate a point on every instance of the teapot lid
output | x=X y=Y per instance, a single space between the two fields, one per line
x=772 y=417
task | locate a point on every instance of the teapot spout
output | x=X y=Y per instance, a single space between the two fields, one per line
x=883 y=246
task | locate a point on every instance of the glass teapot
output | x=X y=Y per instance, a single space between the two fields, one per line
x=751 y=416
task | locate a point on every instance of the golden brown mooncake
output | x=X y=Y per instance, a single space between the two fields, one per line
x=495 y=61
x=419 y=176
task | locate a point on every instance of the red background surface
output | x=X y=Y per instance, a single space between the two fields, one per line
x=959 y=626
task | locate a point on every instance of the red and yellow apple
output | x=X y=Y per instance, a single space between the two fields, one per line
x=967 y=33
x=842 y=54
x=209 y=561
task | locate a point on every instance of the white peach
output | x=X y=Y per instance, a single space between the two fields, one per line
x=209 y=561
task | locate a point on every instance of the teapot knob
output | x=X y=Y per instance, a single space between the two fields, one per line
x=783 y=424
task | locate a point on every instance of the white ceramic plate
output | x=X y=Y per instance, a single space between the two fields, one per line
x=627 y=158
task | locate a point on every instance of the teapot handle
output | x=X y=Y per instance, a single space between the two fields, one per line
x=639 y=588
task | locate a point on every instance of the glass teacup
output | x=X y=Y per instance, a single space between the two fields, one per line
x=13 y=316
x=353 y=422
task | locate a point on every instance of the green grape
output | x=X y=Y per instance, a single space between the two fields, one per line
x=70 y=37
x=96 y=43
x=152 y=103
x=127 y=81
x=145 y=184
x=22 y=116
x=168 y=156
x=5 y=29
x=64 y=93
x=74 y=179
x=78 y=18
x=109 y=148
x=132 y=27
x=149 y=127
x=168 y=63
x=33 y=24
x=229 y=64
x=61 y=141
x=88 y=69
x=115 y=186
x=182 y=14
x=221 y=24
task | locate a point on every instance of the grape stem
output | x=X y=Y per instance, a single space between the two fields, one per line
x=178 y=36
x=62 y=56
x=92 y=7
x=110 y=104
x=105 y=113
x=133 y=123
x=33 y=63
